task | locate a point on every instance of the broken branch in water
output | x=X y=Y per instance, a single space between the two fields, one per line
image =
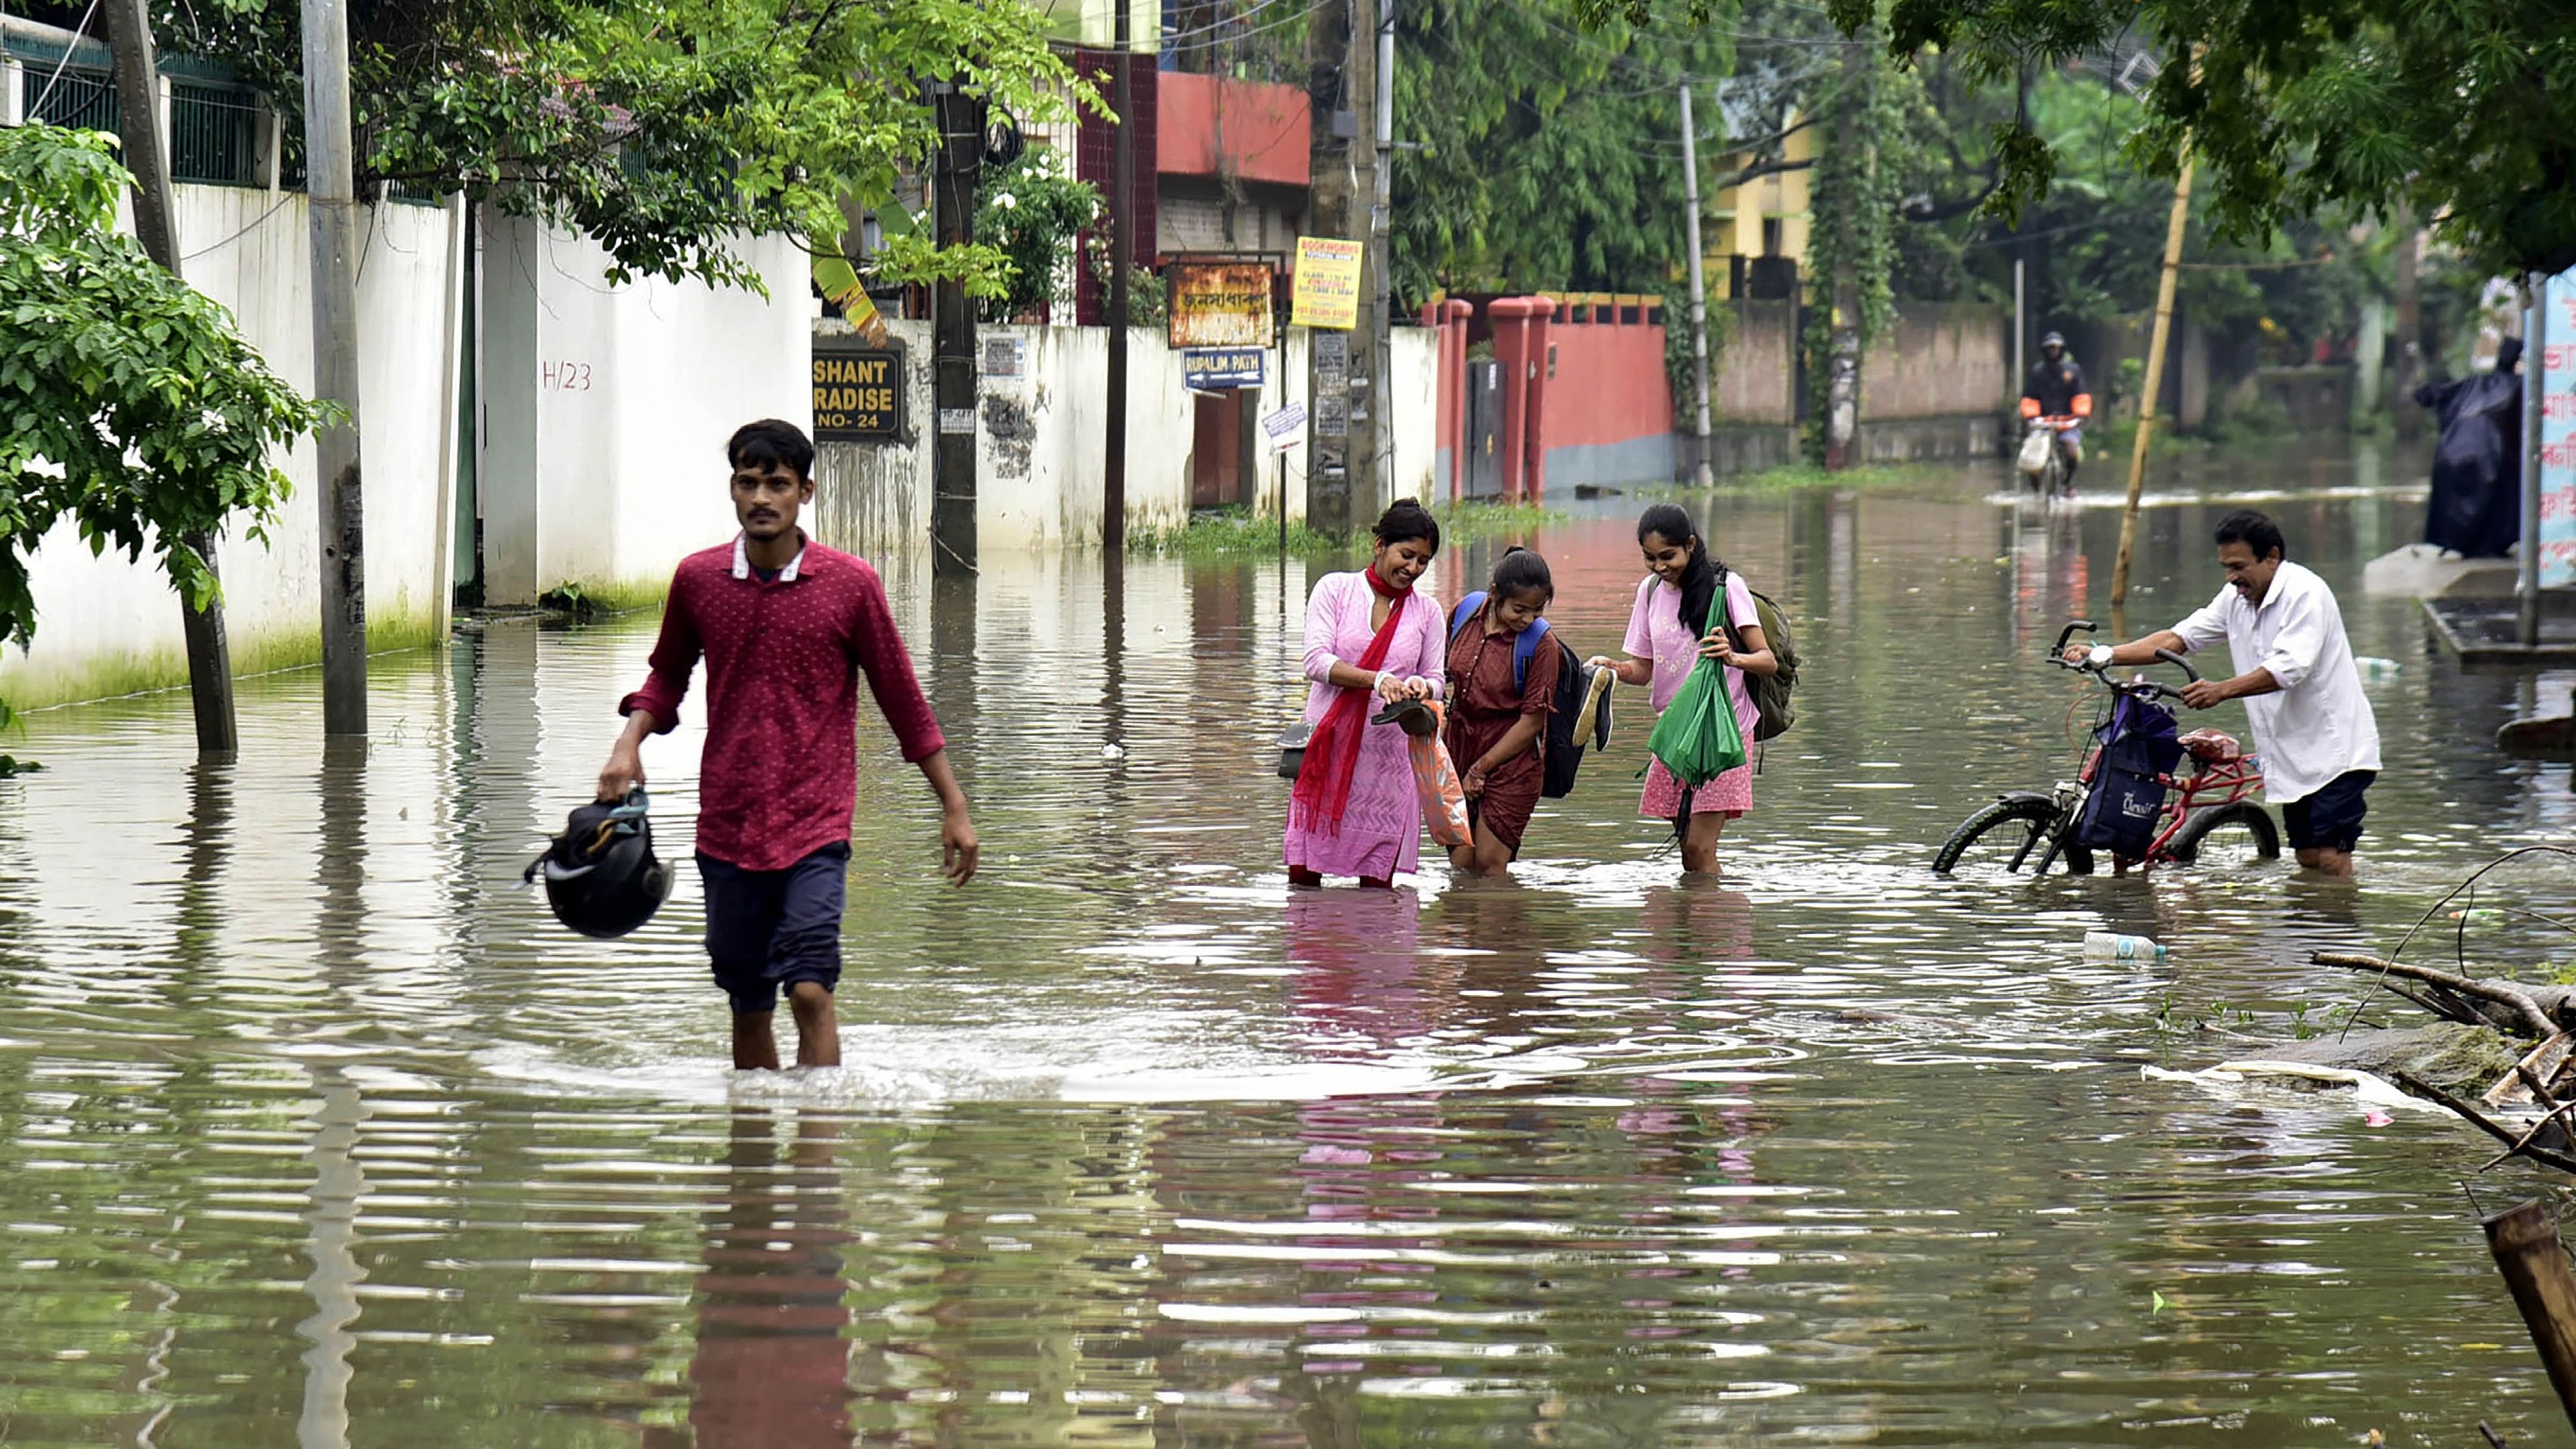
x=2523 y=1012
x=2483 y=1123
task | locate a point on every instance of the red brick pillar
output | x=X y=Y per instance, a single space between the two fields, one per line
x=1453 y=390
x=1511 y=348
x=1534 y=468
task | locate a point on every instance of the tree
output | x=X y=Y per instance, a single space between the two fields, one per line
x=663 y=129
x=1030 y=211
x=2466 y=110
x=128 y=403
x=1538 y=154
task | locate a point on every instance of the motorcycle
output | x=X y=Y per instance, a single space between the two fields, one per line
x=2043 y=462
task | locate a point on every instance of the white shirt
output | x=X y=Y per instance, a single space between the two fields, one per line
x=2318 y=725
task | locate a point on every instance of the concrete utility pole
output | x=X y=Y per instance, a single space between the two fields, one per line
x=210 y=662
x=2174 y=227
x=1842 y=291
x=1701 y=471
x=1380 y=433
x=331 y=192
x=1331 y=469
x=952 y=339
x=1122 y=224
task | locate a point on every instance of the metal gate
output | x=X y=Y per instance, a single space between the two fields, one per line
x=1484 y=460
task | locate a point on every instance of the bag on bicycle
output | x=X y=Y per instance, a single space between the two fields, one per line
x=2138 y=749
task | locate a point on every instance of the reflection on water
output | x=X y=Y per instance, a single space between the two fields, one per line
x=312 y=1115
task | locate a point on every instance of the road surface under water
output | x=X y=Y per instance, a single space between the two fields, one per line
x=313 y=1123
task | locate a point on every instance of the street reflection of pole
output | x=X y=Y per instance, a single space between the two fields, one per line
x=331 y=1214
x=953 y=641
x=331 y=1233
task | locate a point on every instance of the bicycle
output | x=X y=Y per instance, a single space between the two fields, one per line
x=2051 y=479
x=2205 y=810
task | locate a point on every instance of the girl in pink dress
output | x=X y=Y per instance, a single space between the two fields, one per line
x=1372 y=637
x=1673 y=627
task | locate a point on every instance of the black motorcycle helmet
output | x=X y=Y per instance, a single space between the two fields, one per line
x=2051 y=339
x=601 y=876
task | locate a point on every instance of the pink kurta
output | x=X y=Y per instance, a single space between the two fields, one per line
x=1381 y=827
x=1656 y=631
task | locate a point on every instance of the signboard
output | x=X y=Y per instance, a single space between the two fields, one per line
x=1333 y=415
x=858 y=392
x=1006 y=356
x=957 y=422
x=1326 y=290
x=1212 y=369
x=2558 y=433
x=1285 y=428
x=1221 y=304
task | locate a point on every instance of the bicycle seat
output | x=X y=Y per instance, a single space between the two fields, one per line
x=2212 y=747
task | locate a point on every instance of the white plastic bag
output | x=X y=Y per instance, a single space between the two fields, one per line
x=2034 y=450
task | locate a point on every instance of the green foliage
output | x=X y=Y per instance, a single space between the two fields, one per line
x=1549 y=156
x=1030 y=211
x=1854 y=197
x=1148 y=297
x=569 y=598
x=1240 y=530
x=665 y=129
x=2465 y=109
x=1679 y=374
x=128 y=403
x=11 y=765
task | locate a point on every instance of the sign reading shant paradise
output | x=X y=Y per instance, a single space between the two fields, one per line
x=1326 y=289
x=858 y=393
x=1221 y=304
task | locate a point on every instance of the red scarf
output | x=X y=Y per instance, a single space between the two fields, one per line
x=1333 y=750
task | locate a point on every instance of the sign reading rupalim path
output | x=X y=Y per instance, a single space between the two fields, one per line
x=858 y=393
x=1326 y=289
x=1221 y=304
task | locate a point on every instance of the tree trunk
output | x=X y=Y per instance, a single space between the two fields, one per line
x=1842 y=380
x=2410 y=324
x=129 y=30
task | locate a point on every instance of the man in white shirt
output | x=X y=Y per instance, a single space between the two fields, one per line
x=2313 y=728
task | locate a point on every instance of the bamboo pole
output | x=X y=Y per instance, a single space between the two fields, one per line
x=2534 y=1263
x=2155 y=376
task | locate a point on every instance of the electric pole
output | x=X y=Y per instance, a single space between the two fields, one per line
x=331 y=194
x=1363 y=219
x=210 y=663
x=1701 y=472
x=952 y=337
x=1331 y=469
x=1122 y=223
x=1381 y=293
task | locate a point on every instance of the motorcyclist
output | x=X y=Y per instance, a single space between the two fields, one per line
x=2055 y=389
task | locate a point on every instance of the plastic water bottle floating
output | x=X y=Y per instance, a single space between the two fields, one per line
x=2112 y=946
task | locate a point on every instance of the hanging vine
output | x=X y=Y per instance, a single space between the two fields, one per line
x=1856 y=192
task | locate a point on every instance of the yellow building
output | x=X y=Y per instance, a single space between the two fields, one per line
x=1764 y=218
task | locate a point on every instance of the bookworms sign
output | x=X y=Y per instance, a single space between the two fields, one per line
x=2558 y=432
x=1326 y=289
x=858 y=392
x=1220 y=304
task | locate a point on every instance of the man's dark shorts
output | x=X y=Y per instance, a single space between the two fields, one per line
x=2330 y=819
x=769 y=929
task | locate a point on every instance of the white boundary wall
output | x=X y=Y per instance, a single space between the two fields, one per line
x=106 y=625
x=601 y=456
x=1040 y=449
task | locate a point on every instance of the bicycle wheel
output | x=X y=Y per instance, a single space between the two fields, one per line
x=2009 y=836
x=2234 y=834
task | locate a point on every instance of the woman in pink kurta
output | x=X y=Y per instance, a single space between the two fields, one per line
x=1664 y=645
x=1374 y=829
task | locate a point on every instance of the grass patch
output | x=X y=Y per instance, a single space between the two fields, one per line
x=1793 y=477
x=1239 y=530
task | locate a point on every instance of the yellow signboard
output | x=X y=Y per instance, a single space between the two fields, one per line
x=1220 y=304
x=1326 y=289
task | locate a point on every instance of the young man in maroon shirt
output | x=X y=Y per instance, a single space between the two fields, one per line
x=782 y=622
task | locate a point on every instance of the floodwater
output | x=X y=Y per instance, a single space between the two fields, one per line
x=314 y=1126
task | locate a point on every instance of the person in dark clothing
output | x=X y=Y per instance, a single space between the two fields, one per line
x=2055 y=389
x=2477 y=468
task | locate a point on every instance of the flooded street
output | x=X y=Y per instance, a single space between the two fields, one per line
x=314 y=1123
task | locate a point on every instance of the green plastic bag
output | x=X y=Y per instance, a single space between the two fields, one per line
x=1698 y=738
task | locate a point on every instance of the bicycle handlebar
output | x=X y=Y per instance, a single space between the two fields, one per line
x=2058 y=649
x=2178 y=662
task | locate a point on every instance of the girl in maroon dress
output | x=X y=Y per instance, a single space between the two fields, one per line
x=1498 y=724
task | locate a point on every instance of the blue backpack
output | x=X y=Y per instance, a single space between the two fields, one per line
x=2138 y=751
x=1562 y=754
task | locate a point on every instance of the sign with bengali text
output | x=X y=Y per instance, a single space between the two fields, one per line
x=1220 y=304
